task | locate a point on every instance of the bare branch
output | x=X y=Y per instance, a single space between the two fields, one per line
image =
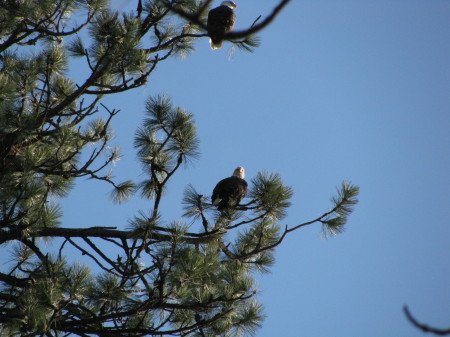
x=424 y=327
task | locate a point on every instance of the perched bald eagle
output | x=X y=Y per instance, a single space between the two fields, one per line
x=220 y=21
x=230 y=191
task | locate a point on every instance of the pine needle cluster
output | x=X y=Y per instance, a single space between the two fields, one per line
x=166 y=140
x=343 y=203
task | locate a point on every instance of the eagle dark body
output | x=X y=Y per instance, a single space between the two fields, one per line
x=220 y=21
x=229 y=192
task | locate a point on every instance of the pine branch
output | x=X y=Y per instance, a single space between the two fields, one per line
x=100 y=232
x=194 y=204
x=91 y=256
x=13 y=281
x=343 y=206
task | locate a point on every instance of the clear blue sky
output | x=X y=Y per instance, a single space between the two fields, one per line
x=339 y=90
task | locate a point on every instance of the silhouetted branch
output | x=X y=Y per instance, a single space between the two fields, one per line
x=235 y=34
x=98 y=232
x=12 y=280
x=423 y=327
x=256 y=28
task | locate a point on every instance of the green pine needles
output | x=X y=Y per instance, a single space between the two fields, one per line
x=192 y=276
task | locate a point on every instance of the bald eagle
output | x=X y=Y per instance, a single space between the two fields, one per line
x=230 y=191
x=220 y=21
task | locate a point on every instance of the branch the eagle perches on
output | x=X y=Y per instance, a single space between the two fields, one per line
x=234 y=35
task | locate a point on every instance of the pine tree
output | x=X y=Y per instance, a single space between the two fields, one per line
x=167 y=278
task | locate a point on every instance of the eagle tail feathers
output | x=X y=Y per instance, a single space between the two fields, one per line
x=215 y=44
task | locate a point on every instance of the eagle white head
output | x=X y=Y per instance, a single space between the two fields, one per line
x=230 y=4
x=239 y=172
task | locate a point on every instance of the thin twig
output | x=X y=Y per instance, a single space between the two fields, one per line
x=424 y=327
